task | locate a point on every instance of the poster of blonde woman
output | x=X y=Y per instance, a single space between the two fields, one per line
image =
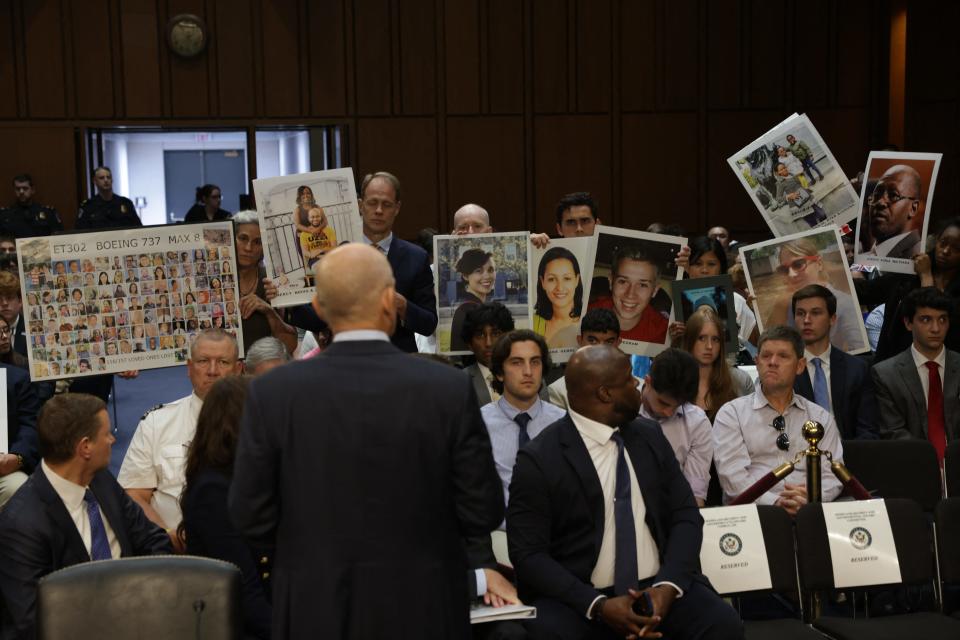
x=302 y=217
x=558 y=302
x=473 y=270
x=777 y=269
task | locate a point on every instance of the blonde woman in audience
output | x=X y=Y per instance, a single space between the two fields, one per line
x=719 y=382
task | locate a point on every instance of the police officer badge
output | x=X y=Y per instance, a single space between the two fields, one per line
x=731 y=544
x=860 y=538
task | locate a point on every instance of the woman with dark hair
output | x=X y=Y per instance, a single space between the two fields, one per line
x=206 y=523
x=479 y=274
x=559 y=301
x=207 y=209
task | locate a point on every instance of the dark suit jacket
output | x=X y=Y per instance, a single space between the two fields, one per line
x=851 y=391
x=20 y=336
x=367 y=468
x=23 y=405
x=414 y=281
x=211 y=534
x=37 y=537
x=556 y=514
x=900 y=399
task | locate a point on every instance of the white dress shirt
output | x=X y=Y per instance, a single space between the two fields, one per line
x=745 y=445
x=72 y=496
x=358 y=335
x=825 y=365
x=383 y=245
x=688 y=432
x=603 y=453
x=921 y=361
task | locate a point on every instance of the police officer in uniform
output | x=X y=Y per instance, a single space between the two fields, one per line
x=106 y=210
x=25 y=218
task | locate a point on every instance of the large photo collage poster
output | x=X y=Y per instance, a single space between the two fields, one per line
x=302 y=217
x=114 y=301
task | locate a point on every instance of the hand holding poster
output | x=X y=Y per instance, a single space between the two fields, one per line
x=557 y=280
x=112 y=301
x=777 y=269
x=302 y=217
x=794 y=180
x=476 y=269
x=895 y=208
x=630 y=272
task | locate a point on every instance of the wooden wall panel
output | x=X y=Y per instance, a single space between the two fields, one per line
x=846 y=132
x=44 y=59
x=660 y=186
x=418 y=70
x=140 y=58
x=280 y=35
x=594 y=58
x=571 y=153
x=92 y=62
x=724 y=54
x=46 y=153
x=638 y=55
x=8 y=77
x=485 y=166
x=678 y=64
x=551 y=43
x=768 y=47
x=857 y=68
x=189 y=79
x=233 y=36
x=462 y=55
x=812 y=74
x=328 y=64
x=505 y=61
x=406 y=147
x=374 y=61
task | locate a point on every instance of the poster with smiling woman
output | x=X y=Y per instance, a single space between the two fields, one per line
x=558 y=281
x=473 y=270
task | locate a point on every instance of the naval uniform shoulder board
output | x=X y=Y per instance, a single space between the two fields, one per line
x=151 y=410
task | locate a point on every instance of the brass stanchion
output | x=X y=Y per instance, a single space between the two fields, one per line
x=813 y=434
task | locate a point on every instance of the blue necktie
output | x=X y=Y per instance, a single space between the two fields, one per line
x=99 y=545
x=523 y=419
x=820 y=395
x=625 y=548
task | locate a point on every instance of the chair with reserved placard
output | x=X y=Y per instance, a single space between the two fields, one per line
x=778 y=541
x=913 y=542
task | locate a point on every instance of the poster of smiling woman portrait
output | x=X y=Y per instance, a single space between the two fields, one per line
x=558 y=280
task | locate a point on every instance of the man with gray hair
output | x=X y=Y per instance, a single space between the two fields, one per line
x=153 y=469
x=264 y=355
x=376 y=497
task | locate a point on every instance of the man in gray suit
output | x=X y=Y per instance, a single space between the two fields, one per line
x=917 y=390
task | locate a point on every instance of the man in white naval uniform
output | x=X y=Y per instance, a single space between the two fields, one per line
x=153 y=468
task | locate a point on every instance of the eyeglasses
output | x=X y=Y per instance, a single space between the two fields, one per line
x=797 y=266
x=783 y=440
x=882 y=191
x=5 y=332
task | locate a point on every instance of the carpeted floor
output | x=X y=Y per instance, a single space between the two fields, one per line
x=132 y=398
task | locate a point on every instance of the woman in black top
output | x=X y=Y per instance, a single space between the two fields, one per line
x=207 y=208
x=206 y=523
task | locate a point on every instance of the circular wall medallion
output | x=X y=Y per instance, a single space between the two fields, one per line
x=187 y=35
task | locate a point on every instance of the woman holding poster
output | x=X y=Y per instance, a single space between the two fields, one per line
x=559 y=298
x=479 y=274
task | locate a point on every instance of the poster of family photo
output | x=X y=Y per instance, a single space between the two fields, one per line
x=776 y=269
x=557 y=281
x=794 y=180
x=112 y=301
x=630 y=274
x=895 y=208
x=302 y=217
x=473 y=270
x=715 y=292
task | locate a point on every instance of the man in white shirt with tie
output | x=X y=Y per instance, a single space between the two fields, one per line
x=601 y=518
x=71 y=510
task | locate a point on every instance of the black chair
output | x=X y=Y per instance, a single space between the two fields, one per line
x=149 y=598
x=896 y=469
x=777 y=530
x=947 y=518
x=951 y=468
x=913 y=541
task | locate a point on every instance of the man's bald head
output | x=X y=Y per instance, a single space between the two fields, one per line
x=355 y=289
x=895 y=200
x=471 y=218
x=908 y=176
x=601 y=386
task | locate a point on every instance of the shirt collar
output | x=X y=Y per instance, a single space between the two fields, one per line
x=485 y=371
x=760 y=400
x=921 y=360
x=196 y=404
x=512 y=412
x=383 y=244
x=357 y=335
x=70 y=492
x=824 y=357
x=591 y=429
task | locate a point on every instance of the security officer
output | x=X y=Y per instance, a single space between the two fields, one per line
x=25 y=218
x=106 y=210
